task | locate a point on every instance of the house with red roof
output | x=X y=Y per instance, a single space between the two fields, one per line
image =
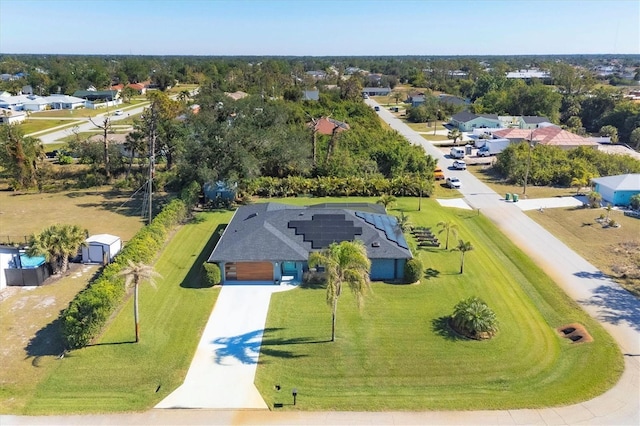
x=549 y=135
x=329 y=126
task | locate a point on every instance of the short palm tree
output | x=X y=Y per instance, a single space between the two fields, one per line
x=403 y=222
x=473 y=318
x=134 y=274
x=448 y=226
x=463 y=247
x=57 y=243
x=345 y=263
x=455 y=134
x=387 y=200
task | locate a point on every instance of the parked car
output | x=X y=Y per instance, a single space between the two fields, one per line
x=459 y=165
x=457 y=152
x=377 y=108
x=453 y=182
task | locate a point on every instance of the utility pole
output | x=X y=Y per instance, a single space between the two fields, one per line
x=152 y=160
x=527 y=170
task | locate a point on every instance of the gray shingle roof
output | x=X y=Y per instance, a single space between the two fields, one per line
x=261 y=232
x=534 y=119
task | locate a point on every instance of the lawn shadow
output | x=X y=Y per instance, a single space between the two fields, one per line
x=431 y=273
x=616 y=305
x=441 y=327
x=193 y=279
x=46 y=342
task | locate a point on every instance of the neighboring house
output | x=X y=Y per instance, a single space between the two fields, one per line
x=11 y=117
x=317 y=74
x=97 y=95
x=549 y=135
x=268 y=243
x=374 y=79
x=618 y=149
x=416 y=98
x=24 y=103
x=532 y=122
x=27 y=90
x=236 y=96
x=141 y=88
x=618 y=189
x=376 y=91
x=467 y=121
x=529 y=74
x=454 y=100
x=65 y=102
x=310 y=95
x=329 y=126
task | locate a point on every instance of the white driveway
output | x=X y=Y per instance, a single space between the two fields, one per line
x=223 y=369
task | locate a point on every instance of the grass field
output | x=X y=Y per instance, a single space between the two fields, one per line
x=493 y=181
x=399 y=354
x=612 y=250
x=100 y=211
x=115 y=374
x=33 y=126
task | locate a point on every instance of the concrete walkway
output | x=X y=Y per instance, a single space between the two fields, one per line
x=223 y=369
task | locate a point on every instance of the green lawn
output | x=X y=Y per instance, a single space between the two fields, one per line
x=399 y=354
x=32 y=126
x=117 y=375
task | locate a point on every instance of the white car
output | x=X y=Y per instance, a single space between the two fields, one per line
x=459 y=165
x=118 y=112
x=453 y=182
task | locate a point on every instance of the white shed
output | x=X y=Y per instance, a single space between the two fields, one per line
x=101 y=248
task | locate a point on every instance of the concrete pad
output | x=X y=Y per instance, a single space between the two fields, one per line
x=458 y=203
x=550 y=203
x=223 y=368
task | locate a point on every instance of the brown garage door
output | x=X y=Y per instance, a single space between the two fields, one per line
x=250 y=271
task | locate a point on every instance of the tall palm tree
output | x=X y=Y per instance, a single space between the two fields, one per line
x=57 y=243
x=344 y=262
x=134 y=274
x=463 y=247
x=448 y=226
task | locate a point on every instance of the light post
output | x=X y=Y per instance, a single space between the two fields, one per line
x=294 y=392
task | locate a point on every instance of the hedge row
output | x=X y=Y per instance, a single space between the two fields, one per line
x=91 y=308
x=404 y=186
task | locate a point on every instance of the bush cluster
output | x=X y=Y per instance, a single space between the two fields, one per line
x=412 y=270
x=212 y=275
x=404 y=186
x=87 y=313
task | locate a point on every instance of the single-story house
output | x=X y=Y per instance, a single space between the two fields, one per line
x=416 y=98
x=97 y=95
x=454 y=100
x=269 y=243
x=376 y=91
x=466 y=121
x=101 y=248
x=65 y=102
x=532 y=122
x=11 y=117
x=618 y=189
x=24 y=103
x=548 y=135
x=317 y=74
x=329 y=126
x=310 y=95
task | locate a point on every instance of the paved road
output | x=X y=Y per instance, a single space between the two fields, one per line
x=618 y=311
x=84 y=125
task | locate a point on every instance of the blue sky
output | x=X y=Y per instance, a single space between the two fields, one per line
x=320 y=28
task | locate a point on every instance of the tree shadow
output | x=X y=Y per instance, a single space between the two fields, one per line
x=193 y=279
x=431 y=273
x=598 y=275
x=617 y=305
x=46 y=342
x=441 y=327
x=246 y=348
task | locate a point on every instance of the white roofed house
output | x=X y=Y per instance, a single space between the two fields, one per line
x=618 y=190
x=8 y=116
x=65 y=102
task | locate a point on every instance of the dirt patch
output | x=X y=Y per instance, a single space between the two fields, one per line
x=575 y=332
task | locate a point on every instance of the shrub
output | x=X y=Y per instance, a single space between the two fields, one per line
x=473 y=318
x=212 y=275
x=413 y=270
x=635 y=202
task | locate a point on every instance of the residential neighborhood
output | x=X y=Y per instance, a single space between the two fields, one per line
x=319 y=219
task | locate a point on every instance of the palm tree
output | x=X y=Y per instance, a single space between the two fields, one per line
x=136 y=273
x=403 y=222
x=57 y=243
x=455 y=135
x=472 y=317
x=134 y=143
x=594 y=199
x=463 y=247
x=580 y=182
x=386 y=200
x=449 y=227
x=344 y=262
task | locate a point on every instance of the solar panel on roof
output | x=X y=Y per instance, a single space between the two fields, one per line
x=324 y=229
x=386 y=224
